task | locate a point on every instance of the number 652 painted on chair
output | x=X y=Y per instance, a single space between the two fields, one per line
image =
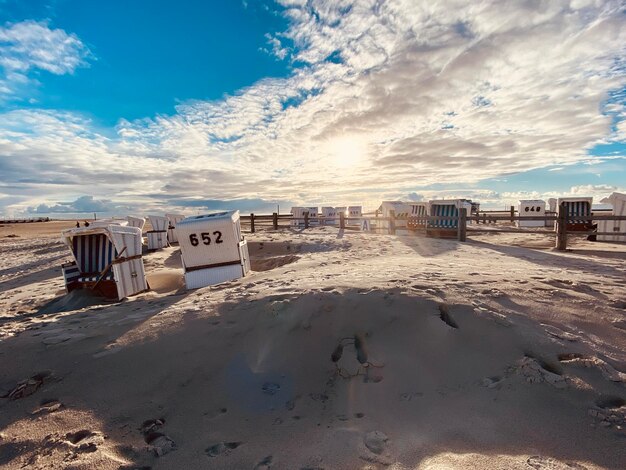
x=206 y=238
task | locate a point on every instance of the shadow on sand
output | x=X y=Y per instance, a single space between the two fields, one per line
x=259 y=373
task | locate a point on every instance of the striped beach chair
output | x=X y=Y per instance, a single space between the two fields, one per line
x=446 y=228
x=415 y=220
x=575 y=208
x=444 y=210
x=108 y=258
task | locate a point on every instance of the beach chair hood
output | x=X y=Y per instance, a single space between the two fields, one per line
x=120 y=236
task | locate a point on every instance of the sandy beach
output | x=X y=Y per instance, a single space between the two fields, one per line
x=341 y=350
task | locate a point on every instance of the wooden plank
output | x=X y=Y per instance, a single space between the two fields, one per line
x=462 y=224
x=275 y=220
x=252 y=223
x=561 y=228
x=107 y=268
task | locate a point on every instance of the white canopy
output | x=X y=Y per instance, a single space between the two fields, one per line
x=613 y=198
x=158 y=222
x=119 y=235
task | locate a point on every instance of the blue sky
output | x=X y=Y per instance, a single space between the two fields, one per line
x=192 y=105
x=147 y=56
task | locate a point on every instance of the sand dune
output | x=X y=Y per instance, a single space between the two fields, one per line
x=339 y=351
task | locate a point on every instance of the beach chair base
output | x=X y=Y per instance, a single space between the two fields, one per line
x=579 y=227
x=213 y=275
x=442 y=232
x=106 y=289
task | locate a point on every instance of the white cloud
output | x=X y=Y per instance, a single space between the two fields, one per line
x=277 y=48
x=408 y=93
x=83 y=204
x=32 y=45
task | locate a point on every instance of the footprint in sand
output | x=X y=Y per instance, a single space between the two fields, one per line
x=48 y=406
x=151 y=425
x=610 y=402
x=29 y=386
x=270 y=388
x=78 y=436
x=376 y=441
x=264 y=464
x=85 y=440
x=222 y=448
x=160 y=443
x=444 y=315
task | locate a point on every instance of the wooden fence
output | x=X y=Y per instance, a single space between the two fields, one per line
x=431 y=225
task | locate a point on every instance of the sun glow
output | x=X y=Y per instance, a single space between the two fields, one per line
x=346 y=151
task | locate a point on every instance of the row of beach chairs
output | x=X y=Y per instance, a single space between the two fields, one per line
x=108 y=254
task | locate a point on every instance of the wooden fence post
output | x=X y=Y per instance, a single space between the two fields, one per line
x=342 y=220
x=251 y=223
x=462 y=224
x=275 y=220
x=306 y=220
x=561 y=228
x=512 y=214
x=392 y=222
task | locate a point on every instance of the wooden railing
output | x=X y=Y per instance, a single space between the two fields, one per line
x=431 y=225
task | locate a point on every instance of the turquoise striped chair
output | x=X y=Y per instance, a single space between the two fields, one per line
x=444 y=210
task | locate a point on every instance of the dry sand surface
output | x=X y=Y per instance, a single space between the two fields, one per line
x=339 y=351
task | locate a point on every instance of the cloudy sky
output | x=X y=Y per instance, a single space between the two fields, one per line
x=148 y=106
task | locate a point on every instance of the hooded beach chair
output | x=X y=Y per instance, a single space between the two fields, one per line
x=172 y=220
x=618 y=204
x=212 y=248
x=329 y=215
x=446 y=228
x=417 y=213
x=401 y=213
x=531 y=208
x=157 y=237
x=138 y=222
x=107 y=260
x=354 y=215
x=298 y=213
x=577 y=207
